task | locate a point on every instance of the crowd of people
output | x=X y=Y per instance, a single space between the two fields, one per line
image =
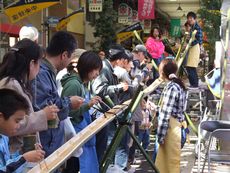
x=40 y=90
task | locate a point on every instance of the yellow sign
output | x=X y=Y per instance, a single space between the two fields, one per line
x=125 y=35
x=65 y=20
x=21 y=9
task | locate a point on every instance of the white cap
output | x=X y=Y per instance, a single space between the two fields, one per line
x=29 y=32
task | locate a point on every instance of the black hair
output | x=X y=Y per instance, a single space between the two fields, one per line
x=128 y=56
x=152 y=30
x=186 y=24
x=60 y=42
x=16 y=62
x=11 y=102
x=170 y=67
x=116 y=52
x=88 y=62
x=191 y=14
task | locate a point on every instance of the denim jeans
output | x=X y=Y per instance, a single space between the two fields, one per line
x=101 y=142
x=192 y=76
x=155 y=72
x=134 y=146
x=144 y=138
x=121 y=154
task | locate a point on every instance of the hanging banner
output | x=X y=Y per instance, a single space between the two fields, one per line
x=146 y=9
x=65 y=20
x=95 y=5
x=175 y=29
x=24 y=8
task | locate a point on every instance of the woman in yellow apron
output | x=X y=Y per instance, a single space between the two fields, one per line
x=170 y=119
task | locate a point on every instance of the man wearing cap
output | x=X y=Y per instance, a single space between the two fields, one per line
x=140 y=70
x=107 y=84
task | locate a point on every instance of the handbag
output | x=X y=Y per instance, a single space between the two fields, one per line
x=69 y=133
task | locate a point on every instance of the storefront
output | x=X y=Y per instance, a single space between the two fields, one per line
x=8 y=37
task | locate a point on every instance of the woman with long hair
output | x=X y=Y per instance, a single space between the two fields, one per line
x=171 y=120
x=74 y=83
x=20 y=65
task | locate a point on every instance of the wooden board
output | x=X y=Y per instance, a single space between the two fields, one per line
x=56 y=159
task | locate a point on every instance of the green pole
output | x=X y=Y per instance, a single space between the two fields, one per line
x=180 y=48
x=109 y=154
x=143 y=151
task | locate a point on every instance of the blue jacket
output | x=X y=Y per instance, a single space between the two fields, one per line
x=44 y=87
x=7 y=163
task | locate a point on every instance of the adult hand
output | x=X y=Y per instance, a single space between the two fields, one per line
x=76 y=102
x=34 y=155
x=125 y=86
x=51 y=112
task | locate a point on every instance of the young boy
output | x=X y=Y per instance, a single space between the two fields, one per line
x=144 y=129
x=13 y=108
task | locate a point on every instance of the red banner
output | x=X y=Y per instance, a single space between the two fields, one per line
x=146 y=9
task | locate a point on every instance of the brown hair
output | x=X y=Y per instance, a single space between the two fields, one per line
x=152 y=30
x=169 y=66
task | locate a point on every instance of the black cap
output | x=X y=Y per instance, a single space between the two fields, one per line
x=116 y=52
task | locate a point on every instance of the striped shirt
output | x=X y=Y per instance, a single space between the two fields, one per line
x=172 y=104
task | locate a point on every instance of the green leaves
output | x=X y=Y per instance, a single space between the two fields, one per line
x=105 y=26
x=211 y=17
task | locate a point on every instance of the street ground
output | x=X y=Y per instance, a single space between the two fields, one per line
x=188 y=160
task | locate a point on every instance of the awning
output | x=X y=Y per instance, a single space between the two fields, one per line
x=12 y=30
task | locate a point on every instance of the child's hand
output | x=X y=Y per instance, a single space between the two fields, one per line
x=34 y=155
x=94 y=100
x=151 y=106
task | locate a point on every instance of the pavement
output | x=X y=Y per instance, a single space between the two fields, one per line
x=188 y=163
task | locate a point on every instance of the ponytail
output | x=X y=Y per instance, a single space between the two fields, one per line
x=179 y=82
x=169 y=70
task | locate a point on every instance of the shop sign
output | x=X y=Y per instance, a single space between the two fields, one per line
x=175 y=28
x=63 y=22
x=146 y=9
x=95 y=5
x=135 y=16
x=130 y=16
x=147 y=26
x=21 y=9
x=125 y=14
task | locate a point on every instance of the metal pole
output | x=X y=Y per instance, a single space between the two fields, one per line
x=143 y=151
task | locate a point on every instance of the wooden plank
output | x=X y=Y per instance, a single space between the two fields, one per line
x=57 y=158
x=64 y=152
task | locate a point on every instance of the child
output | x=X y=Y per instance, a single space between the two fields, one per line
x=171 y=119
x=145 y=126
x=13 y=108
